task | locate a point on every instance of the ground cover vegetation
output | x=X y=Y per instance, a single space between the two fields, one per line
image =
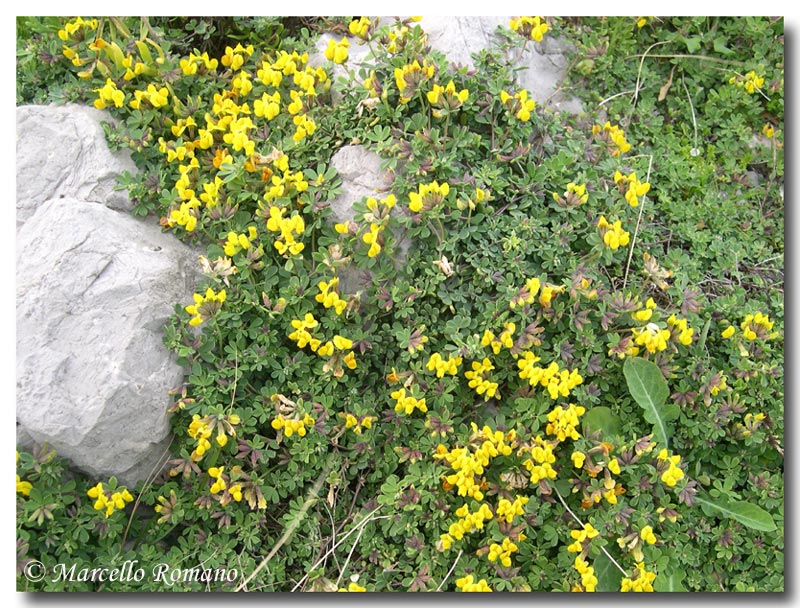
x=548 y=357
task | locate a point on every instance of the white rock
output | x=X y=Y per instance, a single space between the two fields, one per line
x=362 y=176
x=94 y=288
x=62 y=151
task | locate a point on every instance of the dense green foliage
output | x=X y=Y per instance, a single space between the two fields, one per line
x=551 y=337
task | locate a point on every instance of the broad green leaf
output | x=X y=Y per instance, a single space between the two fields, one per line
x=669 y=581
x=745 y=513
x=693 y=44
x=609 y=577
x=648 y=387
x=601 y=418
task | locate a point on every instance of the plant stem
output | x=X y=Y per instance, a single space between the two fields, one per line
x=311 y=498
x=577 y=519
x=638 y=223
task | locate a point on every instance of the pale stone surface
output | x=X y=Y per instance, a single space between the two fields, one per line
x=94 y=289
x=542 y=65
x=62 y=151
x=362 y=176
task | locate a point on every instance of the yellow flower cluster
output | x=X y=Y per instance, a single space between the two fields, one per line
x=238 y=242
x=428 y=196
x=337 y=51
x=219 y=485
x=338 y=358
x=539 y=465
x=23 y=487
x=750 y=81
x=291 y=426
x=191 y=64
x=548 y=293
x=643 y=581
x=328 y=295
x=358 y=424
x=443 y=366
x=518 y=104
x=338 y=343
x=647 y=535
x=652 y=337
x=533 y=28
x=205 y=306
x=284 y=186
x=288 y=227
x=508 y=510
x=673 y=474
x=467 y=522
x=108 y=94
x=478 y=380
x=613 y=234
x=352 y=587
x=555 y=380
x=361 y=28
x=505 y=338
x=234 y=58
x=301 y=336
x=372 y=238
x=562 y=423
x=105 y=500
x=588 y=578
x=613 y=136
x=574 y=195
x=408 y=403
x=156 y=97
x=632 y=187
x=582 y=536
x=72 y=27
x=503 y=552
x=643 y=314
x=526 y=294
x=757 y=326
x=201 y=430
x=468 y=463
x=751 y=423
x=409 y=78
x=446 y=99
x=467 y=584
x=682 y=329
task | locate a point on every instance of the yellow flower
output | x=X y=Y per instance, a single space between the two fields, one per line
x=613 y=235
x=23 y=487
x=647 y=535
x=467 y=584
x=428 y=196
x=337 y=51
x=361 y=28
x=353 y=587
x=533 y=28
x=446 y=99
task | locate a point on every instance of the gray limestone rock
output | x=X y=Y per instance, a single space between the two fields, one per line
x=94 y=288
x=62 y=151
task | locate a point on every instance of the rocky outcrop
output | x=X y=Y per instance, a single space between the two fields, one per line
x=62 y=152
x=94 y=289
x=541 y=67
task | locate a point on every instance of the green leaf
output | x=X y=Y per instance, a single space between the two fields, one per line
x=609 y=577
x=745 y=513
x=600 y=418
x=648 y=387
x=669 y=581
x=719 y=46
x=693 y=44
